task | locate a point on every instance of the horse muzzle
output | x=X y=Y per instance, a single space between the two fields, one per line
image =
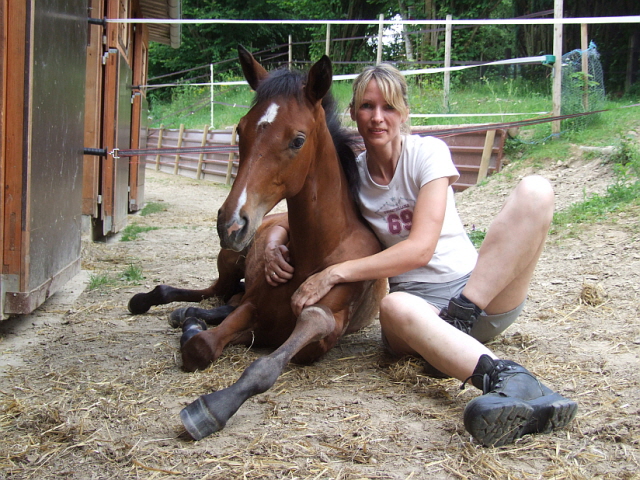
x=236 y=233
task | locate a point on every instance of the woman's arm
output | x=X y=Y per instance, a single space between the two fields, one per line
x=413 y=252
x=277 y=268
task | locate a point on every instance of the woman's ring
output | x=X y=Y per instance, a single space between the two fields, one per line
x=273 y=274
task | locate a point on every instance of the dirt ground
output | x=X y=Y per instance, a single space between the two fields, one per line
x=88 y=391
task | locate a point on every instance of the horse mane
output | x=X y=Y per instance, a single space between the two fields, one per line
x=284 y=82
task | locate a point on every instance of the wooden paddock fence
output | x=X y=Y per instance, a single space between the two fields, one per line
x=475 y=154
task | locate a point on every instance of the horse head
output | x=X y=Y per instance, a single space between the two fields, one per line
x=277 y=142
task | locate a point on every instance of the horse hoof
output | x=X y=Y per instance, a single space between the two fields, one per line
x=139 y=304
x=177 y=317
x=199 y=421
x=191 y=327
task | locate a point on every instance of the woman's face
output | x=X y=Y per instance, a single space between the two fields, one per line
x=378 y=122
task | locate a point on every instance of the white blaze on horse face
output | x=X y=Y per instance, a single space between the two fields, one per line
x=270 y=115
x=236 y=214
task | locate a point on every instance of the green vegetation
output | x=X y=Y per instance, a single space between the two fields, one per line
x=131 y=232
x=99 y=281
x=477 y=236
x=191 y=105
x=534 y=146
x=216 y=44
x=153 y=207
x=622 y=194
x=131 y=275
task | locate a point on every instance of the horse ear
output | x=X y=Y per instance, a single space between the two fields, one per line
x=319 y=80
x=253 y=72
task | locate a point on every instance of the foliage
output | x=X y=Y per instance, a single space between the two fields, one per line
x=476 y=236
x=153 y=207
x=204 y=44
x=132 y=274
x=99 y=281
x=624 y=191
x=132 y=231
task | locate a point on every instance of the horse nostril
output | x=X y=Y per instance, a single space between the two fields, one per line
x=239 y=224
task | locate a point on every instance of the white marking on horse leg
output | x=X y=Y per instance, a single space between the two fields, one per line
x=270 y=115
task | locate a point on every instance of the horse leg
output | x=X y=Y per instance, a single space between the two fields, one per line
x=202 y=348
x=210 y=413
x=230 y=273
x=213 y=316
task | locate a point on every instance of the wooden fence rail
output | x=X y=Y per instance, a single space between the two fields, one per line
x=475 y=154
x=218 y=167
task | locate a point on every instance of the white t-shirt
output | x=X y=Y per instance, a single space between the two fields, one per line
x=389 y=208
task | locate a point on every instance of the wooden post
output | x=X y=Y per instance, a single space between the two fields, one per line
x=557 y=67
x=486 y=155
x=380 y=31
x=327 y=42
x=234 y=138
x=211 y=94
x=584 y=45
x=447 y=63
x=205 y=133
x=177 y=162
x=159 y=146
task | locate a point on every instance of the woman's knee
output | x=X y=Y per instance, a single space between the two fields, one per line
x=536 y=189
x=402 y=311
x=393 y=309
x=535 y=195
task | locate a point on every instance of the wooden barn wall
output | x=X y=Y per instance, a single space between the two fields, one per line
x=93 y=112
x=42 y=234
x=3 y=70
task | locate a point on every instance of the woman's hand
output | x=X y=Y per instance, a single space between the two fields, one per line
x=313 y=289
x=277 y=268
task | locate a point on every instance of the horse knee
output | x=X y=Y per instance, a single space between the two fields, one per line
x=318 y=317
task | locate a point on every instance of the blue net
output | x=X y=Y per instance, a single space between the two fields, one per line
x=582 y=91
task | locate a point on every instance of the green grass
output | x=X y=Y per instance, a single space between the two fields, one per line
x=534 y=147
x=133 y=231
x=133 y=274
x=620 y=196
x=99 y=281
x=153 y=207
x=477 y=236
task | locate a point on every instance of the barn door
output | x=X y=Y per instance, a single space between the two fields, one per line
x=116 y=120
x=139 y=116
x=43 y=50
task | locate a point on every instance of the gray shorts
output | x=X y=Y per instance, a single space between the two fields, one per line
x=438 y=295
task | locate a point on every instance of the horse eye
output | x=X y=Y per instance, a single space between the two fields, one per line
x=298 y=142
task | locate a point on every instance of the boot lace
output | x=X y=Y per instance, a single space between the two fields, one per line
x=464 y=325
x=492 y=381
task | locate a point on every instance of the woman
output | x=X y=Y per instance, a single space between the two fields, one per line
x=445 y=299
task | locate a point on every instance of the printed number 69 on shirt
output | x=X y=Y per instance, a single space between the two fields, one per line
x=397 y=222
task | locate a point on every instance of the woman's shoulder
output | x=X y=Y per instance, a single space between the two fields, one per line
x=434 y=142
x=416 y=145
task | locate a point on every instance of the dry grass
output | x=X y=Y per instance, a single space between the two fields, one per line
x=98 y=393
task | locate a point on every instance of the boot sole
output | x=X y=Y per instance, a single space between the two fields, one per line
x=495 y=420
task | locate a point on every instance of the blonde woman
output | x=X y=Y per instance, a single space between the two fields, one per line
x=446 y=300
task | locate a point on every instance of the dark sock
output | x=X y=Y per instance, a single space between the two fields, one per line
x=476 y=308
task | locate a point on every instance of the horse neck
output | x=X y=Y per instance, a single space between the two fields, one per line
x=322 y=213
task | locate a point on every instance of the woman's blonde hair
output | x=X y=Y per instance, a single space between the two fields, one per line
x=390 y=82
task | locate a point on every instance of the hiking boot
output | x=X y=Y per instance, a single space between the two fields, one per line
x=461 y=313
x=514 y=403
